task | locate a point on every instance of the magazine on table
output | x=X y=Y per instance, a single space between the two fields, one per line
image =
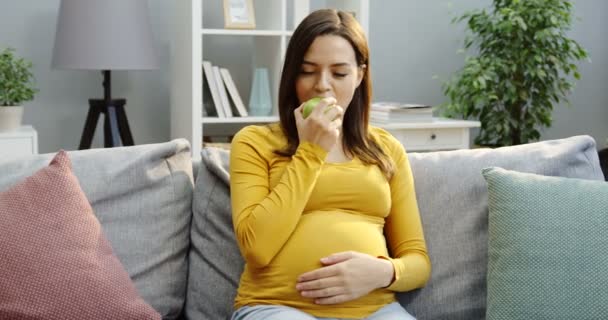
x=395 y=112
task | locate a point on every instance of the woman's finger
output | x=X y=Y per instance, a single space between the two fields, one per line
x=298 y=114
x=334 y=112
x=323 y=293
x=319 y=110
x=321 y=283
x=335 y=124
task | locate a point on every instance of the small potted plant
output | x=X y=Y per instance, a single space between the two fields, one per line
x=524 y=66
x=16 y=87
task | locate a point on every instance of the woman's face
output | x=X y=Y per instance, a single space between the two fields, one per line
x=329 y=69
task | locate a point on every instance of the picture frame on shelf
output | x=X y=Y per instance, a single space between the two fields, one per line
x=239 y=14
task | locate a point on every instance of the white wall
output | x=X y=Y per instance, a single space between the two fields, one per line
x=411 y=41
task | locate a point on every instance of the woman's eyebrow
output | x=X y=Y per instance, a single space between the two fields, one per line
x=339 y=64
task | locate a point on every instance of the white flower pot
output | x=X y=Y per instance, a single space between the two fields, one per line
x=10 y=118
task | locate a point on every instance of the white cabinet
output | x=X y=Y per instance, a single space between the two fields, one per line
x=198 y=33
x=17 y=143
x=440 y=134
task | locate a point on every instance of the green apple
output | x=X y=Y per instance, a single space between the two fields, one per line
x=310 y=105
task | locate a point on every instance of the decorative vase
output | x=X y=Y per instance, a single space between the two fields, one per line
x=260 y=101
x=10 y=118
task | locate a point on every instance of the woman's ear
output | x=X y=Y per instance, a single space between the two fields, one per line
x=360 y=73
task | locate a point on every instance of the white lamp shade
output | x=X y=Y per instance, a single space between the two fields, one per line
x=104 y=35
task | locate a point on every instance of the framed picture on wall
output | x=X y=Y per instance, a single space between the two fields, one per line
x=239 y=14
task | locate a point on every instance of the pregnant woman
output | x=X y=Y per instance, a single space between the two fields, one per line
x=324 y=206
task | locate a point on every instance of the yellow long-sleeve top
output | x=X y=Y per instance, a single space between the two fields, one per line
x=288 y=213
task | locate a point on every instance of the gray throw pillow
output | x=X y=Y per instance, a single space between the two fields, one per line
x=142 y=196
x=215 y=261
x=452 y=198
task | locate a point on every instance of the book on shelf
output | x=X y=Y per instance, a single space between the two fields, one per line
x=219 y=90
x=395 y=112
x=208 y=104
x=225 y=104
x=234 y=93
x=211 y=83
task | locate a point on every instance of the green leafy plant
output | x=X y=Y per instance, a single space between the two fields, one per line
x=523 y=66
x=16 y=79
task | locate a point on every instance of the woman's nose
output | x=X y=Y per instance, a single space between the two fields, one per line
x=322 y=84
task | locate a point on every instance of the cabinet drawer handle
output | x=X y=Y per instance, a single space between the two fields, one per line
x=433 y=136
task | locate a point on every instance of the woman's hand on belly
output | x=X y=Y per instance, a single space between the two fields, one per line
x=345 y=276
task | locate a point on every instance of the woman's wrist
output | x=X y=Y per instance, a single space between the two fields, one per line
x=312 y=149
x=387 y=274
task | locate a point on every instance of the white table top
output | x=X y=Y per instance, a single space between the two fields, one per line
x=436 y=123
x=23 y=131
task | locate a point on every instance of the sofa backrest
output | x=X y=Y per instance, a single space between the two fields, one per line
x=452 y=197
x=142 y=197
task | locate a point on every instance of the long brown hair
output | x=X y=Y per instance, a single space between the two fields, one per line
x=356 y=141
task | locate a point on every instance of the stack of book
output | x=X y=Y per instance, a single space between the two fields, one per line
x=395 y=112
x=219 y=91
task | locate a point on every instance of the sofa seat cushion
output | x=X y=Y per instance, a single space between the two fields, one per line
x=452 y=198
x=548 y=247
x=142 y=196
x=55 y=262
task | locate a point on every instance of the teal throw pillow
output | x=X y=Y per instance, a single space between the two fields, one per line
x=548 y=247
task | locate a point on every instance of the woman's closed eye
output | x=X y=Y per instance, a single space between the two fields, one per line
x=336 y=74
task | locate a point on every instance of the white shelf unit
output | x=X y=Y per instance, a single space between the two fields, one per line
x=198 y=33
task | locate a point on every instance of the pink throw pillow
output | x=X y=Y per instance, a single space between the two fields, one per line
x=55 y=262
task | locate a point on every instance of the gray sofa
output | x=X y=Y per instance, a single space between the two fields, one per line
x=169 y=222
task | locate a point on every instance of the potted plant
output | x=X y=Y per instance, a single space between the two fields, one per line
x=16 y=87
x=524 y=65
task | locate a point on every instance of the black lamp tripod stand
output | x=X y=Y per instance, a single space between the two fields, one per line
x=115 y=125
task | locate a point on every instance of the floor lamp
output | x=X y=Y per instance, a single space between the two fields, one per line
x=104 y=35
